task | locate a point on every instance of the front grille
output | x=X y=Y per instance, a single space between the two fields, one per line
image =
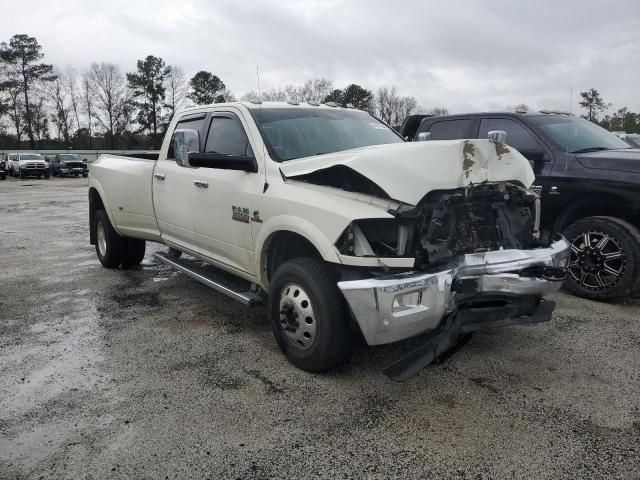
x=477 y=219
x=35 y=165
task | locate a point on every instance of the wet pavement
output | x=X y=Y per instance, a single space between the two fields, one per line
x=145 y=373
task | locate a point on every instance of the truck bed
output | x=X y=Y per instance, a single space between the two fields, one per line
x=126 y=183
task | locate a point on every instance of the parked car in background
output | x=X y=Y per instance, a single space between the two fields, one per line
x=69 y=164
x=28 y=165
x=589 y=181
x=3 y=169
x=632 y=139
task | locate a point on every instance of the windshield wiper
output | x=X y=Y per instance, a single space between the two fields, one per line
x=590 y=149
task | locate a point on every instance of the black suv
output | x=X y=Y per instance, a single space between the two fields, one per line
x=68 y=164
x=589 y=181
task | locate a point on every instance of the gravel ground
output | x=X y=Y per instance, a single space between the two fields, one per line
x=148 y=374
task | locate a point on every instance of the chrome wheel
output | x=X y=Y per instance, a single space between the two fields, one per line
x=597 y=260
x=297 y=318
x=101 y=238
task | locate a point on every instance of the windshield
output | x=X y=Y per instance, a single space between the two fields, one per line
x=31 y=156
x=294 y=133
x=577 y=134
x=69 y=158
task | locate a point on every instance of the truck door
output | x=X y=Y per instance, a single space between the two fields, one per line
x=172 y=192
x=223 y=198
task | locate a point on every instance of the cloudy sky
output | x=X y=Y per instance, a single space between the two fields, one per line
x=473 y=55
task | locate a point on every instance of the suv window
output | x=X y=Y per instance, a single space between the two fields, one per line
x=192 y=123
x=227 y=136
x=450 y=129
x=517 y=136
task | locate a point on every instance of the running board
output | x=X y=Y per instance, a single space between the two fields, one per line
x=221 y=281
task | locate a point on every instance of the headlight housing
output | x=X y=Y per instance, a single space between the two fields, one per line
x=376 y=237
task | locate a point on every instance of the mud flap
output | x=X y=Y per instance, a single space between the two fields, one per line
x=454 y=332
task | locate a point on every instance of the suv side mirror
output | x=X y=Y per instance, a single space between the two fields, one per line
x=185 y=141
x=498 y=136
x=424 y=136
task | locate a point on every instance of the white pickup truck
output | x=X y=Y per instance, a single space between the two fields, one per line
x=338 y=224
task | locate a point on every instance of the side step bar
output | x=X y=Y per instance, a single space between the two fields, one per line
x=221 y=281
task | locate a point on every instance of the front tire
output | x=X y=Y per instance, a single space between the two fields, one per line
x=133 y=252
x=109 y=245
x=307 y=315
x=605 y=252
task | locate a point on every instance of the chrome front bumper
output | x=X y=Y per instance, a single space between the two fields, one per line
x=396 y=307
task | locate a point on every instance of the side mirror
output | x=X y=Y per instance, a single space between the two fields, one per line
x=185 y=141
x=498 y=136
x=245 y=163
x=424 y=136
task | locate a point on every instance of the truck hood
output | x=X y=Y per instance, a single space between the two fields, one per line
x=406 y=172
x=623 y=160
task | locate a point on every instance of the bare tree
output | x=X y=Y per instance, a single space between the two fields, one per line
x=438 y=111
x=73 y=91
x=391 y=108
x=39 y=121
x=110 y=99
x=385 y=100
x=406 y=106
x=251 y=96
x=62 y=109
x=227 y=95
x=315 y=90
x=176 y=87
x=16 y=112
x=87 y=103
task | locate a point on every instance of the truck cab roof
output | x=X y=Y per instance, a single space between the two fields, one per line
x=254 y=105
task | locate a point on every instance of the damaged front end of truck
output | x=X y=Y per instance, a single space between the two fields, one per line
x=468 y=231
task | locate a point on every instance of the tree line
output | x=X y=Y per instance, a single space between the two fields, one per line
x=100 y=107
x=44 y=106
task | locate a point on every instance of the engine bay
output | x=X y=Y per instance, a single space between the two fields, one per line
x=447 y=223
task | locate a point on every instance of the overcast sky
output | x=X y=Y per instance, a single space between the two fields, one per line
x=473 y=55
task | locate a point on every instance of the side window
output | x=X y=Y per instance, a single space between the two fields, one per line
x=193 y=123
x=517 y=136
x=227 y=136
x=450 y=129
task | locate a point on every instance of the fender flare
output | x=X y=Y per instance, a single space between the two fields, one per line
x=297 y=225
x=95 y=184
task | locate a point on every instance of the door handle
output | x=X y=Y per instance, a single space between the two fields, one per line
x=201 y=184
x=159 y=176
x=554 y=190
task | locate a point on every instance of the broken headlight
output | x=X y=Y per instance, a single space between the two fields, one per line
x=376 y=237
